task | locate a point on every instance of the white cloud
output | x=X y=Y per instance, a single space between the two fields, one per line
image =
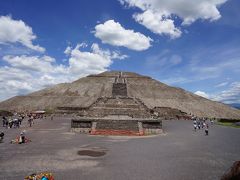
x=24 y=74
x=231 y=95
x=158 y=24
x=68 y=50
x=222 y=84
x=16 y=31
x=201 y=93
x=113 y=33
x=176 y=80
x=91 y=62
x=159 y=15
x=33 y=63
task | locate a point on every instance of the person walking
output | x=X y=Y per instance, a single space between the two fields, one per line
x=30 y=121
x=195 y=127
x=10 y=123
x=194 y=122
x=198 y=124
x=3 y=121
x=206 y=130
x=1 y=136
x=18 y=123
x=6 y=123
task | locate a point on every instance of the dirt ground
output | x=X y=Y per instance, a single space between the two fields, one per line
x=179 y=153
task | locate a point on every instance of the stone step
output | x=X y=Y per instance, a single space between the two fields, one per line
x=116 y=105
x=116 y=133
x=119 y=89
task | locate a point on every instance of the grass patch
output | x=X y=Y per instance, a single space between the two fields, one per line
x=229 y=124
x=49 y=111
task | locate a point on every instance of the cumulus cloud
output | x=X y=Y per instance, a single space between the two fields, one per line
x=201 y=93
x=16 y=31
x=30 y=63
x=26 y=73
x=96 y=61
x=114 y=33
x=158 y=24
x=159 y=15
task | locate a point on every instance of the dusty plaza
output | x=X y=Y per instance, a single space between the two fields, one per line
x=178 y=153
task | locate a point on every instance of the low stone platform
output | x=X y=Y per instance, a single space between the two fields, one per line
x=120 y=126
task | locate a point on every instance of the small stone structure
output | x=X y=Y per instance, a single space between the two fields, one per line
x=111 y=126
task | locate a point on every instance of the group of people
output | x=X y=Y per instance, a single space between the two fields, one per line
x=16 y=121
x=11 y=122
x=201 y=123
x=21 y=139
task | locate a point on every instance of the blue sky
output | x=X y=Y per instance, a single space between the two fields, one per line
x=194 y=45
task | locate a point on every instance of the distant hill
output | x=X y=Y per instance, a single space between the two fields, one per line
x=85 y=91
x=235 y=105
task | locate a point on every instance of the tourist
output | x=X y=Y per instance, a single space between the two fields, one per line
x=30 y=121
x=194 y=122
x=1 y=136
x=195 y=127
x=203 y=124
x=211 y=121
x=206 y=130
x=22 y=137
x=198 y=124
x=6 y=123
x=3 y=121
x=18 y=123
x=10 y=123
x=15 y=123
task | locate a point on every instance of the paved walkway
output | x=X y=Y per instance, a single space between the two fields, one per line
x=179 y=154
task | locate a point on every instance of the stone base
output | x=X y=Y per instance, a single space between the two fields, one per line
x=124 y=127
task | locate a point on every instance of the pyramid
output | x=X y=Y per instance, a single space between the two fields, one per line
x=128 y=92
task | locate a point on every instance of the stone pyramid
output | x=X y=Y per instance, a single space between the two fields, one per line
x=154 y=95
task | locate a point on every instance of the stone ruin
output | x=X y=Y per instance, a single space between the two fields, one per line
x=115 y=115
